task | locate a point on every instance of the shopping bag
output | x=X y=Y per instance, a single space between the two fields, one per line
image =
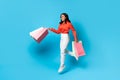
x=39 y=34
x=78 y=49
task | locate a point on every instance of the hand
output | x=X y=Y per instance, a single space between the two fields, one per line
x=76 y=41
x=50 y=29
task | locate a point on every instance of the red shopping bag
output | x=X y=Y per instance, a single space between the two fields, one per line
x=79 y=49
x=39 y=34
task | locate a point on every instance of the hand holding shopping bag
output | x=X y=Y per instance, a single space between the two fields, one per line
x=39 y=34
x=78 y=49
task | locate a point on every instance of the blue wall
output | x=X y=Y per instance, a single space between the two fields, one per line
x=97 y=23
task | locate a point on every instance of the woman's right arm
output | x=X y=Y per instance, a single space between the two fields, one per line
x=54 y=30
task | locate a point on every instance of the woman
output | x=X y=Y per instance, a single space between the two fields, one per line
x=65 y=26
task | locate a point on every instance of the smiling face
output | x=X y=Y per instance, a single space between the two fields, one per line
x=63 y=17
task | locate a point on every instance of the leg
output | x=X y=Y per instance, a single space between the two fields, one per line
x=63 y=44
x=62 y=58
x=69 y=52
x=62 y=52
x=72 y=54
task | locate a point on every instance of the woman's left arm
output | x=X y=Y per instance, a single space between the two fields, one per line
x=74 y=32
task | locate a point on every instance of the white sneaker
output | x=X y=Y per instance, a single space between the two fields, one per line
x=61 y=69
x=76 y=57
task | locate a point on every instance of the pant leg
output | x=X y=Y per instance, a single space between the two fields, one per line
x=63 y=45
x=69 y=52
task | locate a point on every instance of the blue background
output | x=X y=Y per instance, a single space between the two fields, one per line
x=97 y=23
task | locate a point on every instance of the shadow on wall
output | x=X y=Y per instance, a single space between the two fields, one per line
x=45 y=52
